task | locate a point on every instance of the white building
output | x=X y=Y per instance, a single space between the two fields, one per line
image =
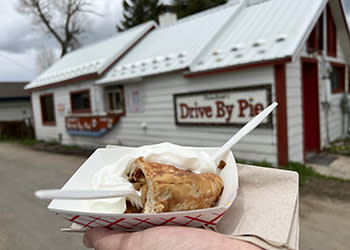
x=197 y=81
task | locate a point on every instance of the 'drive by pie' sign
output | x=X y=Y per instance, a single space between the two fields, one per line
x=222 y=107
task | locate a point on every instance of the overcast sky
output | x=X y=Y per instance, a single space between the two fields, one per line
x=19 y=43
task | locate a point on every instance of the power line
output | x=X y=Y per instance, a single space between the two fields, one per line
x=15 y=62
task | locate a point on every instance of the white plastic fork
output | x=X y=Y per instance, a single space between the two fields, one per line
x=131 y=195
x=244 y=131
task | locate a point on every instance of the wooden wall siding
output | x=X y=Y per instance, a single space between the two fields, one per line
x=259 y=145
x=294 y=112
x=159 y=116
x=335 y=118
x=42 y=132
x=61 y=97
x=15 y=110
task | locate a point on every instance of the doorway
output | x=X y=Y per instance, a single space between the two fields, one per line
x=311 y=112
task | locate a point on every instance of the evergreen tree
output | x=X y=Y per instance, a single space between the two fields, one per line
x=137 y=12
x=185 y=8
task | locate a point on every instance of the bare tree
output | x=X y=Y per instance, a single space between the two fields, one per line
x=64 y=20
x=45 y=57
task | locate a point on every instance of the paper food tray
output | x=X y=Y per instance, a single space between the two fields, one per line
x=77 y=212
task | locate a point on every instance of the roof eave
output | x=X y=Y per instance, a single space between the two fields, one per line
x=85 y=77
x=191 y=74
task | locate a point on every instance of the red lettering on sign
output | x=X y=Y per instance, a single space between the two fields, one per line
x=258 y=108
x=220 y=111
x=253 y=110
x=223 y=110
x=243 y=104
x=183 y=110
x=195 y=112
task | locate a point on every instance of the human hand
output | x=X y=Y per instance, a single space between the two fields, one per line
x=162 y=238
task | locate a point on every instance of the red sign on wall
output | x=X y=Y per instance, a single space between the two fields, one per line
x=90 y=125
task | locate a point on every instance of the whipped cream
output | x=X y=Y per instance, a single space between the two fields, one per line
x=114 y=175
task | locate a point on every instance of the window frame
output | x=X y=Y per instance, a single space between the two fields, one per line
x=113 y=90
x=44 y=111
x=331 y=34
x=316 y=37
x=342 y=83
x=77 y=111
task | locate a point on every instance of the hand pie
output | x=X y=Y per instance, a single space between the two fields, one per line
x=165 y=188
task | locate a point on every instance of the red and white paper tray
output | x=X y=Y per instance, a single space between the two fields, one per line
x=77 y=211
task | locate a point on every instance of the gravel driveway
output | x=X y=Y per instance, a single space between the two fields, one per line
x=25 y=222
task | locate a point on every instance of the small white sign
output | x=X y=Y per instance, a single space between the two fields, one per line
x=222 y=107
x=135 y=101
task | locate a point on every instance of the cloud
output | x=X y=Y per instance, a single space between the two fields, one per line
x=346 y=5
x=17 y=67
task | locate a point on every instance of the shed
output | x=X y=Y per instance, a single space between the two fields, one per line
x=14 y=102
x=197 y=81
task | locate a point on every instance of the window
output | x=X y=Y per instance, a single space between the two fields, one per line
x=331 y=34
x=47 y=109
x=115 y=100
x=135 y=101
x=315 y=41
x=337 y=78
x=80 y=101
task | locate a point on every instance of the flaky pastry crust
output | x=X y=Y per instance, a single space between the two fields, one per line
x=165 y=188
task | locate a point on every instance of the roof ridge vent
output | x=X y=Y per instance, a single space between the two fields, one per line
x=259 y=43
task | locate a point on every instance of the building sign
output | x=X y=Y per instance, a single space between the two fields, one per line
x=234 y=106
x=90 y=125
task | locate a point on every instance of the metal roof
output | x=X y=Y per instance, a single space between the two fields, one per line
x=263 y=31
x=237 y=33
x=91 y=59
x=172 y=47
x=240 y=32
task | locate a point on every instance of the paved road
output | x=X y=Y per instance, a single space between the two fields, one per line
x=25 y=222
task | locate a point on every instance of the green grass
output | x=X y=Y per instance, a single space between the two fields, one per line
x=304 y=171
x=338 y=149
x=25 y=141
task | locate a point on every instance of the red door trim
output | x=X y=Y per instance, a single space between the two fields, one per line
x=282 y=122
x=317 y=115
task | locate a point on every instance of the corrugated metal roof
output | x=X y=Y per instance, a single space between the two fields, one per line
x=240 y=32
x=172 y=47
x=91 y=59
x=261 y=32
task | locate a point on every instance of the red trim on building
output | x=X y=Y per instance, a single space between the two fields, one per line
x=310 y=105
x=342 y=67
x=127 y=50
x=43 y=110
x=282 y=127
x=238 y=67
x=331 y=34
x=91 y=75
x=75 y=111
x=66 y=82
x=309 y=59
x=315 y=40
